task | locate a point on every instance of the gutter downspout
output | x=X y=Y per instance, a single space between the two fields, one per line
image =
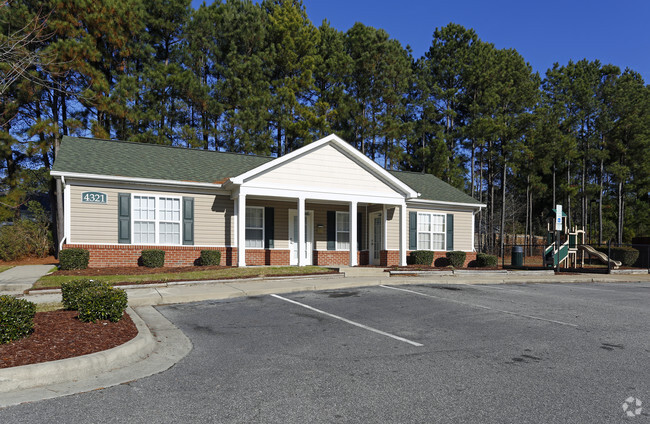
x=63 y=238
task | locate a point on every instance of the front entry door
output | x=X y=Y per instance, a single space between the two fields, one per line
x=309 y=237
x=375 y=238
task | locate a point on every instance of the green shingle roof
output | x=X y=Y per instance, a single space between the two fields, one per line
x=140 y=160
x=433 y=188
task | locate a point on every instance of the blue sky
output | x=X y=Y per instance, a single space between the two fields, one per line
x=543 y=32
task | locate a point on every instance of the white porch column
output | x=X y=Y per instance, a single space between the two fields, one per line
x=301 y=231
x=241 y=229
x=403 y=235
x=353 y=234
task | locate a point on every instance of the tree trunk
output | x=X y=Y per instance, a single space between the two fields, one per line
x=503 y=206
x=471 y=168
x=568 y=195
x=554 y=199
x=600 y=204
x=526 y=229
x=619 y=232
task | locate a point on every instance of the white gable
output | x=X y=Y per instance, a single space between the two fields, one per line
x=327 y=169
x=324 y=168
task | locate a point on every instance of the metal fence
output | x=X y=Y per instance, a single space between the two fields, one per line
x=531 y=256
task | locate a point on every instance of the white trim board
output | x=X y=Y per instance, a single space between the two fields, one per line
x=151 y=181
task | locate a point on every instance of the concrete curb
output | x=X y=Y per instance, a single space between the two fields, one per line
x=157 y=347
x=54 y=372
x=199 y=282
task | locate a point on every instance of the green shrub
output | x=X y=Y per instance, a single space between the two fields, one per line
x=16 y=318
x=422 y=257
x=210 y=257
x=153 y=258
x=27 y=237
x=74 y=258
x=456 y=258
x=484 y=260
x=71 y=291
x=625 y=254
x=101 y=302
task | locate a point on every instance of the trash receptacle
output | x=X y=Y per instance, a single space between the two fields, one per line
x=517 y=256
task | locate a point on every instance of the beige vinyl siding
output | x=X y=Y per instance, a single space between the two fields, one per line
x=462 y=225
x=94 y=223
x=320 y=218
x=392 y=228
x=280 y=219
x=325 y=168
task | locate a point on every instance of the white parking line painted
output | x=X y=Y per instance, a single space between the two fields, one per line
x=474 y=305
x=365 y=327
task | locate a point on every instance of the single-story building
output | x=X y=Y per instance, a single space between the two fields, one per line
x=323 y=204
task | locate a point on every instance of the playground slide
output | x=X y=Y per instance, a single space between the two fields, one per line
x=601 y=256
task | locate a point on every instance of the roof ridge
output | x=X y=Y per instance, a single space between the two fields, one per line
x=414 y=173
x=138 y=143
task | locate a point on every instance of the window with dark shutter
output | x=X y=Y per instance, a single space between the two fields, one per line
x=413 y=230
x=450 y=231
x=269 y=228
x=331 y=230
x=124 y=218
x=188 y=221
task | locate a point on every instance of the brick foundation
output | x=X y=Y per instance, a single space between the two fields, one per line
x=440 y=257
x=338 y=257
x=388 y=257
x=267 y=257
x=102 y=256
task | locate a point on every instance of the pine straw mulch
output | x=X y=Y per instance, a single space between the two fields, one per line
x=48 y=260
x=139 y=270
x=59 y=335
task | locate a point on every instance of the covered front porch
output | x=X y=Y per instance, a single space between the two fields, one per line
x=314 y=231
x=323 y=204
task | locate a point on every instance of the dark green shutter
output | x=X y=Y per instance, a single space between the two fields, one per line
x=413 y=230
x=188 y=220
x=359 y=232
x=331 y=230
x=269 y=228
x=124 y=218
x=450 y=231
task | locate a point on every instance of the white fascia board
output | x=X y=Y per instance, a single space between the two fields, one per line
x=308 y=190
x=312 y=195
x=343 y=145
x=151 y=181
x=440 y=202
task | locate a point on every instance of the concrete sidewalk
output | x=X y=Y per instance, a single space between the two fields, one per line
x=20 y=278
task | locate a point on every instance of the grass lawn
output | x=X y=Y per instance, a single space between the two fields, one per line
x=53 y=281
x=47 y=307
x=5 y=267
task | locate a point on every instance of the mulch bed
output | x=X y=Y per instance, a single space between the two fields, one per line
x=49 y=260
x=60 y=335
x=133 y=270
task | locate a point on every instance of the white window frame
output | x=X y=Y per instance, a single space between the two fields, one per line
x=336 y=223
x=246 y=227
x=157 y=219
x=431 y=232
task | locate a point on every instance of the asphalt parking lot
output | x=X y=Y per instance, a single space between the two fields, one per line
x=565 y=353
